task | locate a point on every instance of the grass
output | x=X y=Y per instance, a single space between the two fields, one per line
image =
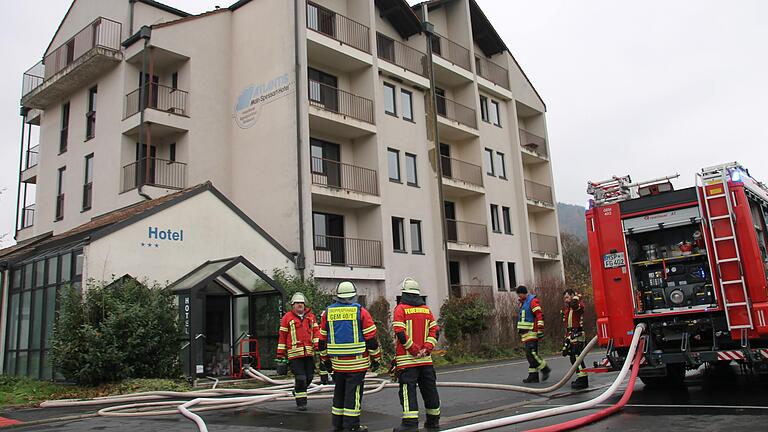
x=17 y=391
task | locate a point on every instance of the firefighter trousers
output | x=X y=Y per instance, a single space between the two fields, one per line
x=426 y=379
x=347 y=399
x=576 y=348
x=303 y=369
x=535 y=361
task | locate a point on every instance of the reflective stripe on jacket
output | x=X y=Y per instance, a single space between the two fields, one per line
x=298 y=336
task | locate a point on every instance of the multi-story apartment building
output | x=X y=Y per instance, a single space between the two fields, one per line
x=316 y=119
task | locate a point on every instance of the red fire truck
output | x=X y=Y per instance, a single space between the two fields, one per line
x=690 y=263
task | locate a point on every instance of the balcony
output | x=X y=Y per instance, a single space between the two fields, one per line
x=544 y=246
x=347 y=252
x=29 y=175
x=493 y=77
x=343 y=185
x=456 y=121
x=452 y=62
x=167 y=110
x=466 y=237
x=28 y=216
x=538 y=196
x=461 y=178
x=402 y=60
x=75 y=64
x=336 y=40
x=159 y=173
x=534 y=148
x=339 y=112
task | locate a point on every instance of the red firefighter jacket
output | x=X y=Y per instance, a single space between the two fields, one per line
x=573 y=315
x=298 y=336
x=417 y=327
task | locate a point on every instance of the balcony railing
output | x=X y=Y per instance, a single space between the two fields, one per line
x=466 y=233
x=28 y=216
x=466 y=290
x=544 y=244
x=338 y=27
x=462 y=171
x=101 y=33
x=451 y=51
x=401 y=55
x=347 y=252
x=159 y=97
x=457 y=112
x=33 y=154
x=340 y=102
x=538 y=192
x=337 y=175
x=492 y=72
x=157 y=172
x=533 y=143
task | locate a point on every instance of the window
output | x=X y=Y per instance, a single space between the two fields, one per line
x=172 y=153
x=90 y=116
x=495 y=218
x=500 y=282
x=406 y=99
x=416 y=245
x=394 y=165
x=389 y=99
x=488 y=159
x=323 y=90
x=484 y=108
x=175 y=81
x=505 y=215
x=512 y=276
x=88 y=183
x=501 y=166
x=411 y=175
x=60 y=194
x=398 y=234
x=64 y=135
x=495 y=113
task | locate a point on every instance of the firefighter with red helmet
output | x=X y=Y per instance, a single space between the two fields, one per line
x=530 y=326
x=298 y=339
x=573 y=345
x=416 y=333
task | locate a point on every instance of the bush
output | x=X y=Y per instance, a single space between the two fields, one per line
x=463 y=317
x=118 y=331
x=317 y=299
x=382 y=316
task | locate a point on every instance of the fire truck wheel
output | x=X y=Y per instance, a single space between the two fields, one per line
x=674 y=378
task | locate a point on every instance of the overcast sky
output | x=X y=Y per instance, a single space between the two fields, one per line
x=647 y=88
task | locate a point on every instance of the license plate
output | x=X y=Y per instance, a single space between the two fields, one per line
x=614 y=260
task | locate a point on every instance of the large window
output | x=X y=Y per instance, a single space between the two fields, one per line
x=501 y=167
x=406 y=98
x=32 y=309
x=411 y=175
x=88 y=183
x=495 y=113
x=495 y=218
x=394 y=165
x=389 y=99
x=64 y=132
x=507 y=219
x=488 y=160
x=500 y=281
x=90 y=115
x=512 y=276
x=60 y=194
x=416 y=244
x=398 y=234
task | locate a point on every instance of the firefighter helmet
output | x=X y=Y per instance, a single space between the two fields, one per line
x=346 y=290
x=298 y=298
x=410 y=286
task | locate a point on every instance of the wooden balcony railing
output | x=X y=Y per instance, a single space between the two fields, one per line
x=347 y=252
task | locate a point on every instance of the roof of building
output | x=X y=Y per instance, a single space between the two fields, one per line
x=108 y=223
x=400 y=15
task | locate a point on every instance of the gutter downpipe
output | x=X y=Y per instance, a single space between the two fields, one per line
x=23 y=113
x=300 y=259
x=428 y=29
x=146 y=34
x=130 y=16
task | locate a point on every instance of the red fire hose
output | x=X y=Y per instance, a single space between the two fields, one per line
x=583 y=421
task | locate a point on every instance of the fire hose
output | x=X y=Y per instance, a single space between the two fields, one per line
x=148 y=403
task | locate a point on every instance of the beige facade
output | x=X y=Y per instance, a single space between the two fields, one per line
x=285 y=106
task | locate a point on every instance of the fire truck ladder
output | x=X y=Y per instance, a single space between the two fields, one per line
x=719 y=207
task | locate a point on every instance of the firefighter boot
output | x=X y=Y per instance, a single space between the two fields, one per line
x=433 y=423
x=580 y=383
x=545 y=373
x=533 y=377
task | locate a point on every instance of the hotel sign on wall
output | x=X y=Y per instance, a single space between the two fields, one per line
x=254 y=98
x=157 y=236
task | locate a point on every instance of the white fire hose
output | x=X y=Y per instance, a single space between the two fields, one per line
x=139 y=405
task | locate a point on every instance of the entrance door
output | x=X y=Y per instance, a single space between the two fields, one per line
x=329 y=238
x=217 y=329
x=445 y=160
x=450 y=222
x=323 y=89
x=326 y=162
x=141 y=164
x=455 y=281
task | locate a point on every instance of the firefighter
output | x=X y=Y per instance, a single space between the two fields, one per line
x=348 y=347
x=530 y=326
x=416 y=333
x=298 y=338
x=573 y=318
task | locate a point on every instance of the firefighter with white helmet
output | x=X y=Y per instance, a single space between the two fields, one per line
x=348 y=346
x=298 y=339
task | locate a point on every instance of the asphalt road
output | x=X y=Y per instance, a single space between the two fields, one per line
x=708 y=402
